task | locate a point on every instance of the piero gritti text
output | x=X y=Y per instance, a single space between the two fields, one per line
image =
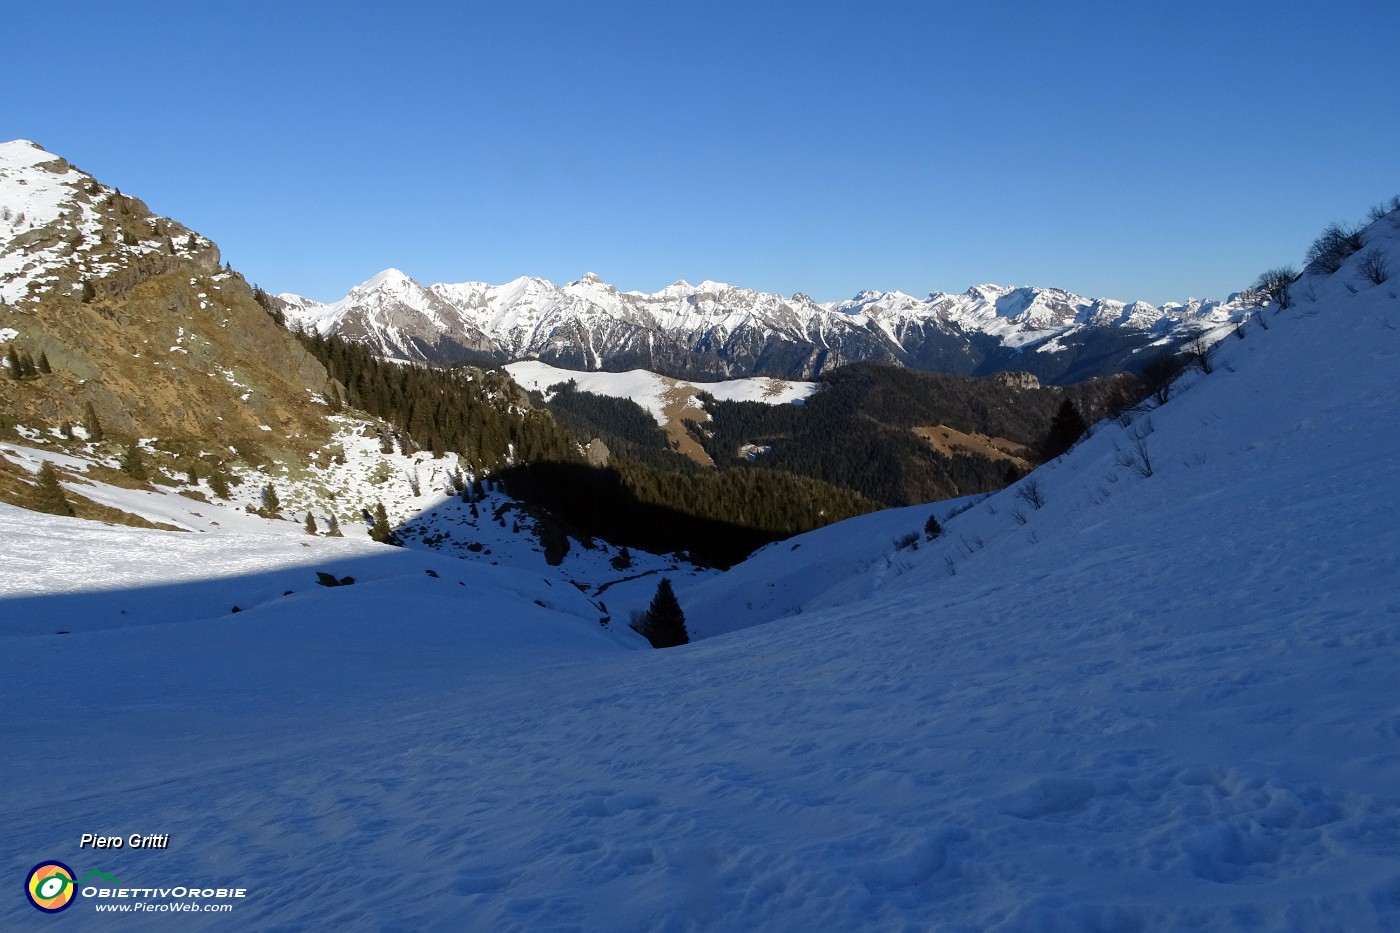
x=134 y=841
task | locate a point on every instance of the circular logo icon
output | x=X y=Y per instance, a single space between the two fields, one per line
x=50 y=887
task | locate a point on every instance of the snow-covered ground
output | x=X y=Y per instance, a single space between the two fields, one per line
x=658 y=394
x=1152 y=687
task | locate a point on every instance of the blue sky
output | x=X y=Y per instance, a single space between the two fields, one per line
x=1135 y=150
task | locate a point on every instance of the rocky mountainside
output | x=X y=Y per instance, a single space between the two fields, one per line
x=713 y=330
x=133 y=315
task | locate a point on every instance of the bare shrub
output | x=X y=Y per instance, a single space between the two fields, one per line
x=1373 y=267
x=1159 y=373
x=1332 y=247
x=1272 y=285
x=1018 y=516
x=1030 y=493
x=1199 y=353
x=909 y=541
x=1135 y=457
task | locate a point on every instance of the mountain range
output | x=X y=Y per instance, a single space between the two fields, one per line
x=715 y=330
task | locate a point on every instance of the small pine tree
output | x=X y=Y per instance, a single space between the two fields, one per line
x=271 y=503
x=133 y=462
x=91 y=425
x=1065 y=428
x=48 y=496
x=26 y=365
x=66 y=429
x=931 y=528
x=310 y=525
x=622 y=560
x=664 y=623
x=43 y=364
x=333 y=526
x=218 y=485
x=12 y=361
x=380 y=530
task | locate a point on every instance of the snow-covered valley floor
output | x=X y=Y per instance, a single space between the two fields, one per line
x=1157 y=692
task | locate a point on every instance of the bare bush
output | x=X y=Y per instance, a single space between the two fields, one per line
x=1135 y=457
x=1272 y=285
x=1159 y=373
x=909 y=541
x=1373 y=267
x=1030 y=492
x=1332 y=247
x=1199 y=353
x=1018 y=516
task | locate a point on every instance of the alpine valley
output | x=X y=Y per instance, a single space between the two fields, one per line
x=364 y=624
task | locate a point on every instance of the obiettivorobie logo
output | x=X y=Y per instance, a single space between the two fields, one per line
x=52 y=886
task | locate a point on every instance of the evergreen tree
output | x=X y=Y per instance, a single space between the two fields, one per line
x=133 y=462
x=380 y=530
x=218 y=485
x=622 y=560
x=931 y=528
x=26 y=364
x=333 y=526
x=310 y=525
x=48 y=496
x=44 y=366
x=271 y=503
x=664 y=623
x=91 y=425
x=66 y=429
x=1065 y=428
x=12 y=361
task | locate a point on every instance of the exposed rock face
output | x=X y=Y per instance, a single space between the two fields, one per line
x=136 y=317
x=597 y=453
x=1018 y=380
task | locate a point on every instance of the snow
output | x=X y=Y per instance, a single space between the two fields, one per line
x=1163 y=698
x=656 y=393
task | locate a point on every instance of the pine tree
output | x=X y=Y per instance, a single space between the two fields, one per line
x=310 y=525
x=12 y=361
x=622 y=560
x=380 y=530
x=44 y=366
x=218 y=485
x=1065 y=428
x=271 y=503
x=48 y=495
x=664 y=623
x=931 y=528
x=91 y=425
x=333 y=526
x=133 y=462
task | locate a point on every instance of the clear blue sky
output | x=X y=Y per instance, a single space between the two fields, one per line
x=1134 y=150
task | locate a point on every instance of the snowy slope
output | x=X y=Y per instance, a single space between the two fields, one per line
x=658 y=394
x=1162 y=699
